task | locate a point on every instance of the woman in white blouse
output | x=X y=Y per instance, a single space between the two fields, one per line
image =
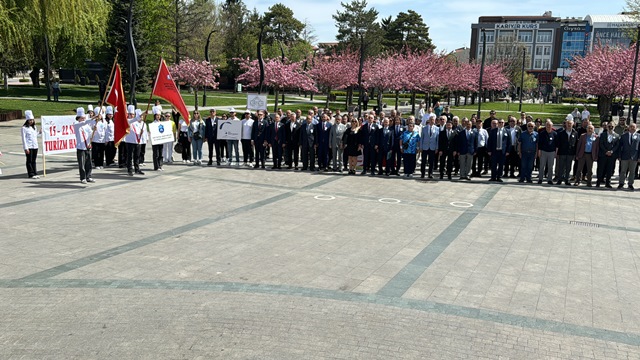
x=30 y=144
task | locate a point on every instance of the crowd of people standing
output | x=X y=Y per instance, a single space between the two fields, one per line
x=386 y=144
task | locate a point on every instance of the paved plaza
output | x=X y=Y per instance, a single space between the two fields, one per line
x=236 y=263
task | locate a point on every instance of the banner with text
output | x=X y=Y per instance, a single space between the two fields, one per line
x=229 y=129
x=256 y=102
x=58 y=136
x=160 y=132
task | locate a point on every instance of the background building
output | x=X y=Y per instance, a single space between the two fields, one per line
x=550 y=42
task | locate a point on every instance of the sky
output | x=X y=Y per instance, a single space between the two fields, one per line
x=449 y=21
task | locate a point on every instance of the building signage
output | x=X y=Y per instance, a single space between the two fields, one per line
x=620 y=25
x=518 y=26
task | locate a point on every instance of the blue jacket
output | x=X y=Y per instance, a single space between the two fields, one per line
x=466 y=145
x=493 y=142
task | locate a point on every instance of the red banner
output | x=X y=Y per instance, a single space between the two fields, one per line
x=165 y=88
x=116 y=99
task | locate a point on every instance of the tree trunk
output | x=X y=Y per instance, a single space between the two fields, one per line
x=604 y=106
x=473 y=98
x=328 y=95
x=397 y=99
x=413 y=101
x=35 y=76
x=195 y=92
x=466 y=95
x=6 y=81
x=282 y=97
x=275 y=106
x=380 y=92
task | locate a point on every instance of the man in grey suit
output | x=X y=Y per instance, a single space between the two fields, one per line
x=335 y=141
x=629 y=148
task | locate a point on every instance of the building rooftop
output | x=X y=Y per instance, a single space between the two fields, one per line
x=605 y=20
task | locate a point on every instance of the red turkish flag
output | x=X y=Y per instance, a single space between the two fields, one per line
x=116 y=99
x=165 y=88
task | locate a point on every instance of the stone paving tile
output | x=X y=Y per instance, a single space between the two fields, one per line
x=102 y=323
x=560 y=272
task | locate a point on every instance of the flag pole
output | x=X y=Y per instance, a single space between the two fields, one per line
x=104 y=97
x=44 y=164
x=113 y=69
x=154 y=85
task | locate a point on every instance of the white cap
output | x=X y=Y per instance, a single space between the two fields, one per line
x=90 y=107
x=138 y=112
x=157 y=110
x=569 y=117
x=28 y=114
x=109 y=110
x=79 y=112
x=232 y=110
x=131 y=109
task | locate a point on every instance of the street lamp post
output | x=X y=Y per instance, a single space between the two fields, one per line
x=524 y=55
x=206 y=57
x=484 y=52
x=635 y=67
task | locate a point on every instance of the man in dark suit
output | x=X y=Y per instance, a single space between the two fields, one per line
x=499 y=143
x=259 y=137
x=277 y=141
x=387 y=141
x=465 y=148
x=369 y=139
x=292 y=133
x=629 y=150
x=323 y=129
x=566 y=152
x=513 y=160
x=211 y=135
x=309 y=142
x=446 y=147
x=607 y=155
x=398 y=129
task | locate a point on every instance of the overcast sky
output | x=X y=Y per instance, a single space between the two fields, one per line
x=449 y=21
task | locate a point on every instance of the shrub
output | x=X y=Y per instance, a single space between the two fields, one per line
x=23 y=80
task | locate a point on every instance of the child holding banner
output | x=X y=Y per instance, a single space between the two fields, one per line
x=30 y=144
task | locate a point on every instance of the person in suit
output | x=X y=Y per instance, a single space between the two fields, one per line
x=465 y=147
x=512 y=162
x=629 y=148
x=210 y=136
x=429 y=146
x=335 y=141
x=277 y=141
x=370 y=139
x=386 y=144
x=292 y=132
x=527 y=148
x=499 y=144
x=608 y=153
x=547 y=145
x=586 y=154
x=446 y=148
x=259 y=136
x=566 y=151
x=487 y=122
x=309 y=143
x=323 y=129
x=398 y=130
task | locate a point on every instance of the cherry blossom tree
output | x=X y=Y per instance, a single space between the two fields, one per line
x=335 y=72
x=278 y=74
x=605 y=72
x=195 y=74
